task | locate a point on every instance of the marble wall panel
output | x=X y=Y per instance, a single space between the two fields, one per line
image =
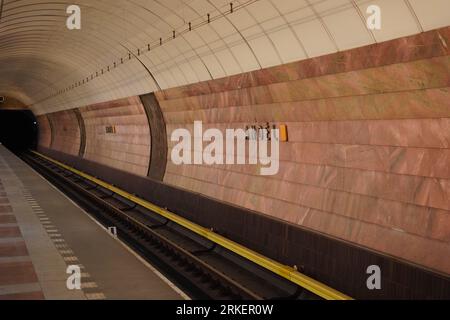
x=128 y=148
x=417 y=75
x=368 y=156
x=66 y=132
x=45 y=132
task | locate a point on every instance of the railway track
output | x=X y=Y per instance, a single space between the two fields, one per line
x=200 y=267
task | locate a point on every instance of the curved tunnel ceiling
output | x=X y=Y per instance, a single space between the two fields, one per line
x=51 y=68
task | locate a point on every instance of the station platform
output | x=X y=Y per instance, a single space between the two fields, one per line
x=42 y=232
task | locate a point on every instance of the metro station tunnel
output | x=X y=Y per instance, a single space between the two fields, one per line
x=225 y=150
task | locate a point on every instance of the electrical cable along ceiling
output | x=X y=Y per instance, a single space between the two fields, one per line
x=130 y=47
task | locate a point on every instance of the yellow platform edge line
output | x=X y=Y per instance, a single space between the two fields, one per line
x=282 y=270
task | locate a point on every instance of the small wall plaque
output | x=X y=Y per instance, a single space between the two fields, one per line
x=111 y=129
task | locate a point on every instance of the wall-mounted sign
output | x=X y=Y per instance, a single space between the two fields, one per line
x=284 y=137
x=110 y=129
x=264 y=132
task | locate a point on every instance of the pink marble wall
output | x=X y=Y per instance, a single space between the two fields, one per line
x=66 y=132
x=368 y=158
x=128 y=149
x=45 y=132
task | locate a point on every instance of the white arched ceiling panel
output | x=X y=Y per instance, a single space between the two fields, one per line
x=426 y=12
x=51 y=68
x=397 y=19
x=346 y=26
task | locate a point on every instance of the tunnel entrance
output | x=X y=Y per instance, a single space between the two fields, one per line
x=18 y=129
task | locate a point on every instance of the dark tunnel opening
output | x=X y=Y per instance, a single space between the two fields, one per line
x=18 y=130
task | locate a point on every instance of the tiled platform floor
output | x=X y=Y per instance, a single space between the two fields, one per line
x=42 y=233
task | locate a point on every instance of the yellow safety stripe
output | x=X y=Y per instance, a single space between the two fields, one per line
x=284 y=271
